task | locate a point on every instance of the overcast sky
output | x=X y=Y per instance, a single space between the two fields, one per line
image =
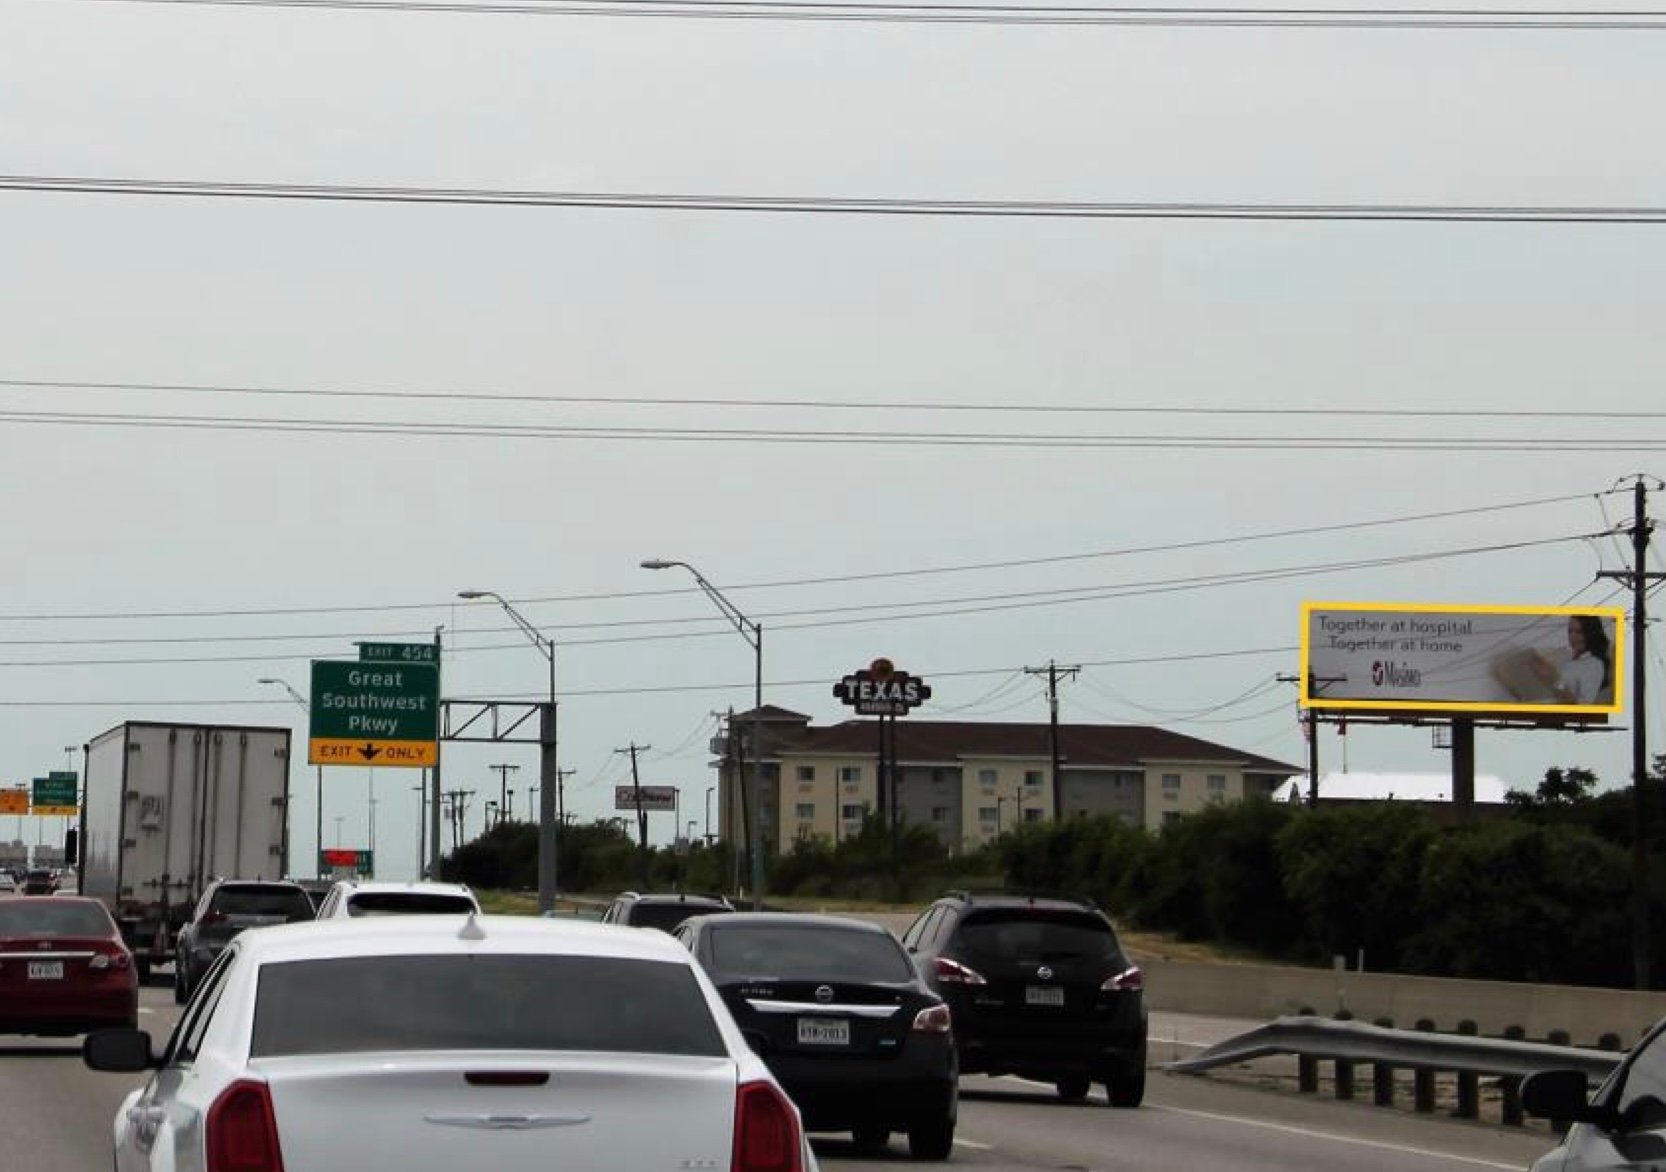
x=568 y=303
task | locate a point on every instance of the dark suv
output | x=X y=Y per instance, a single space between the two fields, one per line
x=226 y=908
x=664 y=912
x=1039 y=987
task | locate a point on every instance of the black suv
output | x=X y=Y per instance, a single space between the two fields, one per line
x=664 y=912
x=226 y=908
x=1039 y=987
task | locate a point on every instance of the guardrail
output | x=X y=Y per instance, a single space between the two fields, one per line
x=1423 y=1052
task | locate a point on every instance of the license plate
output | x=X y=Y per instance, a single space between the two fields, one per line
x=1043 y=995
x=46 y=970
x=822 y=1031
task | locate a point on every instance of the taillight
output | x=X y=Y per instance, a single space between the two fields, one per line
x=766 y=1131
x=952 y=972
x=1129 y=980
x=242 y=1130
x=933 y=1020
x=117 y=960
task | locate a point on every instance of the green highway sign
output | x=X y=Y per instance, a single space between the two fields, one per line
x=55 y=794
x=398 y=653
x=374 y=714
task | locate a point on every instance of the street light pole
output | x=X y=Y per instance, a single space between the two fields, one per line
x=549 y=772
x=318 y=815
x=753 y=633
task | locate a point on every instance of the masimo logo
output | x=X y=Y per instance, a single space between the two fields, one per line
x=1395 y=675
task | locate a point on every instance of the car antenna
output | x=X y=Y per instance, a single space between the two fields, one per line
x=471 y=929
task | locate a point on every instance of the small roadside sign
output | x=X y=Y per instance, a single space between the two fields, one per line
x=398 y=653
x=56 y=795
x=374 y=714
x=655 y=798
x=335 y=860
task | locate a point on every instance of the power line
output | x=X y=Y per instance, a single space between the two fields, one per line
x=841 y=206
x=903 y=612
x=768 y=584
x=908 y=13
x=890 y=437
x=517 y=399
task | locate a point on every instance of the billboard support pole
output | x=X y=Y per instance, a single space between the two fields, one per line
x=1463 y=768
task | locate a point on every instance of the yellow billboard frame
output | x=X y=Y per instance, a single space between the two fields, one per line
x=1320 y=703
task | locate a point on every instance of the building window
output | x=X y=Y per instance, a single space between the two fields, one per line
x=806 y=773
x=1032 y=777
x=987 y=778
x=850 y=773
x=806 y=811
x=1217 y=783
x=939 y=813
x=939 y=775
x=1032 y=815
x=989 y=816
x=1171 y=817
x=852 y=813
x=1171 y=781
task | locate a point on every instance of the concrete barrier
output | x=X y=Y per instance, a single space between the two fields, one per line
x=1268 y=991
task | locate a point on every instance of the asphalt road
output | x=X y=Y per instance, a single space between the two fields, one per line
x=55 y=1117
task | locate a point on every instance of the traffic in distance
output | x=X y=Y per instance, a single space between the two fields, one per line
x=402 y=1024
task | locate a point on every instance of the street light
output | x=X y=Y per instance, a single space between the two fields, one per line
x=549 y=773
x=318 y=828
x=753 y=633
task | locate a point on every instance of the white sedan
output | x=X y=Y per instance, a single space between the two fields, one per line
x=432 y=1044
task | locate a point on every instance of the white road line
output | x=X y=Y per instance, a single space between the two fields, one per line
x=973 y=1144
x=145 y=1009
x=1310 y=1133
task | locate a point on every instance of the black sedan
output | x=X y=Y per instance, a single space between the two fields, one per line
x=838 y=1011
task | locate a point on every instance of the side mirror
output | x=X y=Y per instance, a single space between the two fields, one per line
x=1563 y=1095
x=118 y=1051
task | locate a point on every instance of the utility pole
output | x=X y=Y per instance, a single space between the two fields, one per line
x=1053 y=671
x=436 y=785
x=641 y=815
x=503 y=800
x=1638 y=578
x=1311 y=716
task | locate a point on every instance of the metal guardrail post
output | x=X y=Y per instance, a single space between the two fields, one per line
x=1382 y=1073
x=1307 y=1068
x=1469 y=1083
x=1423 y=1078
x=1344 y=1068
x=1510 y=1111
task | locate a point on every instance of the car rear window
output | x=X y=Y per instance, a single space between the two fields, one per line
x=666 y=916
x=53 y=918
x=809 y=952
x=291 y=903
x=1039 y=935
x=400 y=1003
x=408 y=903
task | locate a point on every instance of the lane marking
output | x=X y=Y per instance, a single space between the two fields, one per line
x=1310 y=1133
x=973 y=1144
x=146 y=1009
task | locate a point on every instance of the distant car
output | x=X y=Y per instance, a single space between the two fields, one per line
x=843 y=1019
x=354 y=898
x=1621 y=1126
x=63 y=968
x=664 y=912
x=8 y=885
x=227 y=907
x=40 y=881
x=1039 y=988
x=428 y=1045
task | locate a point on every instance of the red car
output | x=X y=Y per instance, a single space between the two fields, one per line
x=63 y=968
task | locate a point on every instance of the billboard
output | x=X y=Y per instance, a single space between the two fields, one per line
x=1550 y=660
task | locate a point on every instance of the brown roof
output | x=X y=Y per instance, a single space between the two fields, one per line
x=1127 y=745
